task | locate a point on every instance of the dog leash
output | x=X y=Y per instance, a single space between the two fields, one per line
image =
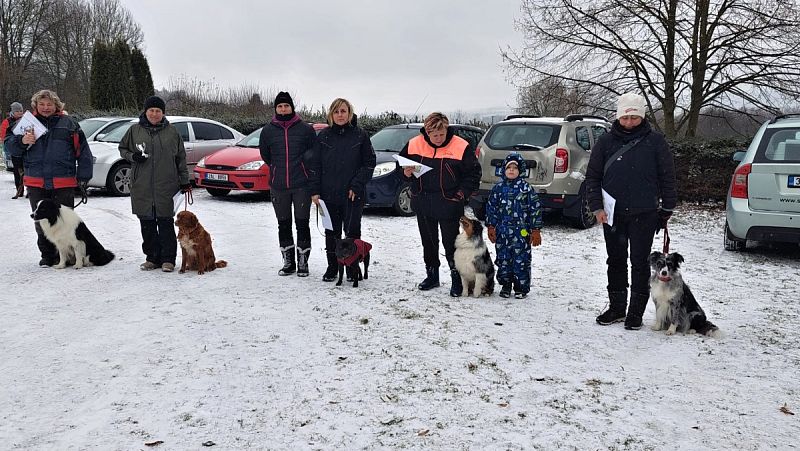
x=666 y=240
x=189 y=199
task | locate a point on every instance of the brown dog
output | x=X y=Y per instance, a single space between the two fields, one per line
x=196 y=251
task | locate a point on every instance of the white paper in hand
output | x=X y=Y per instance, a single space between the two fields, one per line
x=608 y=205
x=178 y=200
x=326 y=217
x=28 y=122
x=419 y=168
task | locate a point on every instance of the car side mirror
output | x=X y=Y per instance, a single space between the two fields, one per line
x=739 y=156
x=100 y=137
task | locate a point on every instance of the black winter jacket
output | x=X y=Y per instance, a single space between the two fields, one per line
x=443 y=191
x=286 y=147
x=343 y=160
x=639 y=178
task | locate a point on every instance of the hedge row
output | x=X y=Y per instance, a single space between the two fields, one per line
x=703 y=169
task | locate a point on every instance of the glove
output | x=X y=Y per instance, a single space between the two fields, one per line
x=492 y=234
x=139 y=158
x=462 y=198
x=663 y=218
x=186 y=188
x=536 y=238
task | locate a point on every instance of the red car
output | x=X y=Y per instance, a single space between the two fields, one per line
x=236 y=168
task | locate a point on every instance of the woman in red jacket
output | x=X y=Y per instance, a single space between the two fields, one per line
x=5 y=129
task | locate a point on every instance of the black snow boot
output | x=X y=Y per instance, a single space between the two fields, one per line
x=455 y=284
x=288 y=261
x=332 y=272
x=636 y=310
x=432 y=279
x=617 y=303
x=505 y=292
x=302 y=261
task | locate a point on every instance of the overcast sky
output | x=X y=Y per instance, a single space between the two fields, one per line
x=380 y=55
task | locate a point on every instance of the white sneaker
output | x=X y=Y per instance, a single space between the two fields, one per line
x=167 y=267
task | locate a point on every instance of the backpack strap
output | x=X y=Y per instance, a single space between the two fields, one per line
x=628 y=146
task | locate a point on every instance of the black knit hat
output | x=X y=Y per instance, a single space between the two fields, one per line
x=284 y=97
x=155 y=102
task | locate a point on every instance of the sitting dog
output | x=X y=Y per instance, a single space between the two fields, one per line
x=65 y=229
x=349 y=253
x=676 y=307
x=196 y=251
x=472 y=259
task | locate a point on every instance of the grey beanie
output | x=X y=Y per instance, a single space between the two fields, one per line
x=16 y=107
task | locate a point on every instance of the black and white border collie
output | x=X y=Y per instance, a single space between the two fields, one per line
x=472 y=259
x=65 y=229
x=676 y=307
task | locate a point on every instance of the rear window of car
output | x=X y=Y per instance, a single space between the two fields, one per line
x=506 y=136
x=779 y=145
x=393 y=139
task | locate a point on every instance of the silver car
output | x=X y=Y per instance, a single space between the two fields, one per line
x=201 y=137
x=96 y=127
x=763 y=201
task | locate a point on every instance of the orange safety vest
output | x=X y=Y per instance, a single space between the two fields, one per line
x=453 y=150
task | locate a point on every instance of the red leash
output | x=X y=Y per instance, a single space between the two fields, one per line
x=666 y=240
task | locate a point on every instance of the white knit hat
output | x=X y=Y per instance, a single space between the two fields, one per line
x=631 y=104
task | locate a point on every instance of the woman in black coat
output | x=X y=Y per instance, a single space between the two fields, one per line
x=342 y=165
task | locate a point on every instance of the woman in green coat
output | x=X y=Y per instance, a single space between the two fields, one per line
x=155 y=149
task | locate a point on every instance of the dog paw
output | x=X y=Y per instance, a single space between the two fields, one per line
x=60 y=266
x=690 y=332
x=655 y=327
x=181 y=271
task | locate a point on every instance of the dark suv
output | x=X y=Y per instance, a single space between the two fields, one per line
x=556 y=151
x=386 y=189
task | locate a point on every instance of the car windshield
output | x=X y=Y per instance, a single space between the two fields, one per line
x=89 y=126
x=393 y=139
x=116 y=135
x=250 y=140
x=507 y=136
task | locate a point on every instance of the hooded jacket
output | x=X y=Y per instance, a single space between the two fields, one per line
x=513 y=205
x=441 y=192
x=343 y=160
x=157 y=179
x=50 y=162
x=286 y=147
x=640 y=178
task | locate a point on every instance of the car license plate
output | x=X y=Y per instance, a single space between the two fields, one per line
x=794 y=181
x=221 y=177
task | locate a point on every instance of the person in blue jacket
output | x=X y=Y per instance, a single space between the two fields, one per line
x=55 y=163
x=514 y=221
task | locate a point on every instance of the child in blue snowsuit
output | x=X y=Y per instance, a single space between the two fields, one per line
x=513 y=220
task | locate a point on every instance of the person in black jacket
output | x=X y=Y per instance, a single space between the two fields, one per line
x=6 y=127
x=286 y=144
x=438 y=196
x=343 y=164
x=634 y=165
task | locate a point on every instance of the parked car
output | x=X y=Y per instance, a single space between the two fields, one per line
x=556 y=151
x=201 y=137
x=97 y=127
x=386 y=189
x=239 y=167
x=763 y=202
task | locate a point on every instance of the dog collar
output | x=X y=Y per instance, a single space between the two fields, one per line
x=664 y=279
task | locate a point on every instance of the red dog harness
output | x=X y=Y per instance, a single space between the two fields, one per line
x=362 y=249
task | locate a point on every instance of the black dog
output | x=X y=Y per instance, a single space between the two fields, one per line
x=349 y=253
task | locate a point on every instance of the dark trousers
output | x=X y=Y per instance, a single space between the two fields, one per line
x=638 y=231
x=17 y=162
x=347 y=217
x=64 y=196
x=159 y=242
x=429 y=232
x=283 y=201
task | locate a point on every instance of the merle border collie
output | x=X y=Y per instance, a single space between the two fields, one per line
x=472 y=259
x=676 y=308
x=65 y=229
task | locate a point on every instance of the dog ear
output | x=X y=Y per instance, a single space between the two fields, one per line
x=654 y=257
x=677 y=259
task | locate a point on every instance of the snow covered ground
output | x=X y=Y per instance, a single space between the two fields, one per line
x=113 y=358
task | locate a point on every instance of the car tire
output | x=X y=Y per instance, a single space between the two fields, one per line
x=218 y=192
x=586 y=218
x=118 y=182
x=732 y=243
x=402 y=203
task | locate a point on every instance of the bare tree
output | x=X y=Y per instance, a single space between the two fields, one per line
x=113 y=22
x=686 y=55
x=23 y=24
x=557 y=97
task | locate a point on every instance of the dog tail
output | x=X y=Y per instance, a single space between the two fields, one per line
x=710 y=330
x=104 y=258
x=221 y=264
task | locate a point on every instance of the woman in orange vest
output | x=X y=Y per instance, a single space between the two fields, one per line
x=438 y=196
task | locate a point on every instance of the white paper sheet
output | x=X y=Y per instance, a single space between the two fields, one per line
x=326 y=217
x=29 y=122
x=419 y=168
x=178 y=200
x=608 y=205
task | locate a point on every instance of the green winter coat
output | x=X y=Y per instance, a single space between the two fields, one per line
x=155 y=181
